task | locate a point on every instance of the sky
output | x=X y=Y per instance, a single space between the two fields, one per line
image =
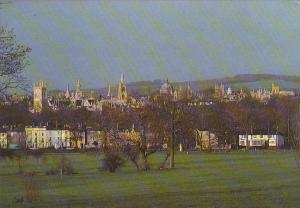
x=96 y=41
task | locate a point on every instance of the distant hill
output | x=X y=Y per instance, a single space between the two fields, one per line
x=253 y=81
x=250 y=81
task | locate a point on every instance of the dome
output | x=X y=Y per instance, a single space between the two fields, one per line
x=166 y=89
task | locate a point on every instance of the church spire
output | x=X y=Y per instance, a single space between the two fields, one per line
x=67 y=94
x=122 y=78
x=78 y=86
x=78 y=93
x=108 y=91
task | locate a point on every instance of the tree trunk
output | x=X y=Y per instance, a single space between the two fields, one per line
x=165 y=160
x=145 y=161
x=172 y=142
x=172 y=152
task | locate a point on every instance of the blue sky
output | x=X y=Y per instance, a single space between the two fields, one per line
x=96 y=41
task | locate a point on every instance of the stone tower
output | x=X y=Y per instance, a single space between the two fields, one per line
x=39 y=96
x=275 y=89
x=122 y=92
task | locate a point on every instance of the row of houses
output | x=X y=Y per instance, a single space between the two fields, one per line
x=206 y=140
x=261 y=141
x=43 y=137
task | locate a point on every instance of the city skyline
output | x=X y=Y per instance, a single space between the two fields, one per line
x=97 y=41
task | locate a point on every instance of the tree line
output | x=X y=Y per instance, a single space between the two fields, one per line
x=172 y=122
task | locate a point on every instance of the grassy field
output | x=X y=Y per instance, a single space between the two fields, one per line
x=236 y=179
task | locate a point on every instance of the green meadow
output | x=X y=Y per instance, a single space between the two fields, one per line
x=235 y=179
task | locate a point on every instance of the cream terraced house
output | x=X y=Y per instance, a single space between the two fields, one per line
x=36 y=138
x=3 y=140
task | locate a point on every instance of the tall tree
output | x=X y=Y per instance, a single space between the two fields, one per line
x=13 y=60
x=169 y=122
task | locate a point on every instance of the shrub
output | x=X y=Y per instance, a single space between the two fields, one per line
x=112 y=162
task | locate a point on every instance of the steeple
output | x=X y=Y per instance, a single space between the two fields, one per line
x=122 y=78
x=78 y=93
x=78 y=86
x=108 y=91
x=67 y=94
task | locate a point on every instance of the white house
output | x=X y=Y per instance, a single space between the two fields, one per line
x=276 y=141
x=59 y=138
x=261 y=141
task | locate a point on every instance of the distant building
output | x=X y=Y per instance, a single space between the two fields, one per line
x=59 y=138
x=287 y=93
x=275 y=89
x=262 y=95
x=36 y=138
x=67 y=93
x=122 y=91
x=39 y=96
x=109 y=92
x=78 y=92
x=219 y=90
x=166 y=89
x=94 y=138
x=16 y=139
x=3 y=140
x=185 y=92
x=229 y=91
x=261 y=141
x=205 y=140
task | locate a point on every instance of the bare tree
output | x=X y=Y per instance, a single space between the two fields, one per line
x=167 y=116
x=13 y=60
x=295 y=134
